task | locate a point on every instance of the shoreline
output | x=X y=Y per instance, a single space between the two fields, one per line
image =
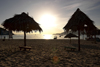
x=42 y=39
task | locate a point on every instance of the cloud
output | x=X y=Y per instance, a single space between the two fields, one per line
x=69 y=7
x=88 y=5
x=95 y=7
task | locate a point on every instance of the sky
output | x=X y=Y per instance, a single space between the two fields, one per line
x=52 y=15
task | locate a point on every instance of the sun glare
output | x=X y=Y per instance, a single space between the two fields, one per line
x=47 y=36
x=47 y=20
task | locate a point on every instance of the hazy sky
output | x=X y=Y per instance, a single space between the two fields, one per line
x=52 y=15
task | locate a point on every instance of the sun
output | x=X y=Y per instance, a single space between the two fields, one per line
x=47 y=36
x=48 y=20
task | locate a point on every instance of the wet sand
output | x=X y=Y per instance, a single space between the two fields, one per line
x=43 y=53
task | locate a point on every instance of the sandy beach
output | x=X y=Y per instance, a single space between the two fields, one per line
x=43 y=52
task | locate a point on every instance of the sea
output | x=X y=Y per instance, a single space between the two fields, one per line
x=39 y=36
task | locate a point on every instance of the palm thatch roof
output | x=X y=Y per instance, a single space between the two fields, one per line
x=79 y=19
x=21 y=22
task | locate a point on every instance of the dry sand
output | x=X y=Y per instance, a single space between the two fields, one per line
x=43 y=52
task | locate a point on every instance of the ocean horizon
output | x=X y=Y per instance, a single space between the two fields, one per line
x=39 y=36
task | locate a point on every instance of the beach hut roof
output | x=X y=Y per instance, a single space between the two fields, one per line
x=2 y=29
x=4 y=32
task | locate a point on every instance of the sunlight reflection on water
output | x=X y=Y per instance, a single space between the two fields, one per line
x=36 y=36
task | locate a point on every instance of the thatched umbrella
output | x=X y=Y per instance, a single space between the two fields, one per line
x=70 y=35
x=77 y=23
x=22 y=22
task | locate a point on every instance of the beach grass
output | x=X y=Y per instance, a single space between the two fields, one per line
x=49 y=53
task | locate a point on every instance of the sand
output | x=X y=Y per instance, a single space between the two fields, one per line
x=49 y=53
